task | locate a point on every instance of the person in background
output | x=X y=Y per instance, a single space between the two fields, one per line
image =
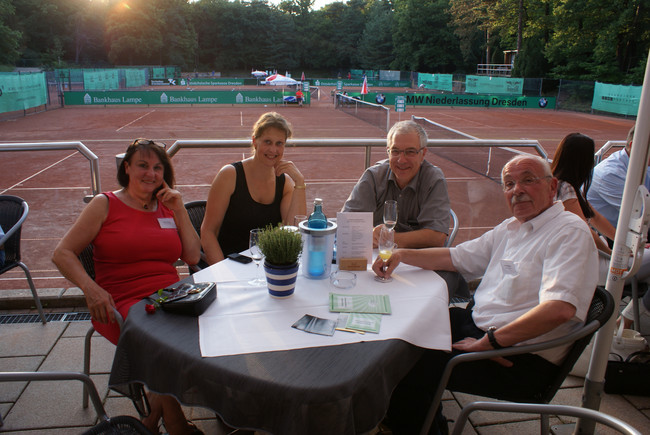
x=606 y=191
x=260 y=190
x=572 y=166
x=137 y=233
x=299 y=97
x=418 y=187
x=539 y=273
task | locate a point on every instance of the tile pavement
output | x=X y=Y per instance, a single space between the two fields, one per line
x=54 y=407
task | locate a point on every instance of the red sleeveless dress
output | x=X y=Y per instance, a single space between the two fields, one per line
x=134 y=255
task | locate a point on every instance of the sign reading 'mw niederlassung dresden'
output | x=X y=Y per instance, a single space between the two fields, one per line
x=177 y=97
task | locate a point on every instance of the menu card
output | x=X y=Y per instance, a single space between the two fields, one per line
x=359 y=322
x=345 y=303
x=354 y=240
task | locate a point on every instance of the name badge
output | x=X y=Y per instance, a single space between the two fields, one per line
x=167 y=223
x=509 y=267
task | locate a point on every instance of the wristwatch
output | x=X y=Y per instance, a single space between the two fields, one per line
x=493 y=341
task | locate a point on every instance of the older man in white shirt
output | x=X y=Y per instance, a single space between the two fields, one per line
x=539 y=270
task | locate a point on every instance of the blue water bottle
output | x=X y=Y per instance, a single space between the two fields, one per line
x=317 y=221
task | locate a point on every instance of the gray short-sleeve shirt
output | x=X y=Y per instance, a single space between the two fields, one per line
x=423 y=203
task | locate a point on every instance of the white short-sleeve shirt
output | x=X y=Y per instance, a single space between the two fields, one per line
x=550 y=257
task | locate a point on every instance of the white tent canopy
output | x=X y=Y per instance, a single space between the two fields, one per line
x=280 y=80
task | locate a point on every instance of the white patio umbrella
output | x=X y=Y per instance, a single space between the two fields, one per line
x=619 y=263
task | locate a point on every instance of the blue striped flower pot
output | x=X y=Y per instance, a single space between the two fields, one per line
x=281 y=280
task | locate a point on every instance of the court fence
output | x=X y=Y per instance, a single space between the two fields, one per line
x=571 y=95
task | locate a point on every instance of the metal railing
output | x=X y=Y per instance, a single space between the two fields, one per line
x=605 y=148
x=52 y=146
x=368 y=144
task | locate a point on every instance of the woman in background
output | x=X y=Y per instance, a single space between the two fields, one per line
x=253 y=193
x=137 y=233
x=572 y=165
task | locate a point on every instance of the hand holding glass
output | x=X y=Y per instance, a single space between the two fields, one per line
x=386 y=246
x=390 y=213
x=256 y=255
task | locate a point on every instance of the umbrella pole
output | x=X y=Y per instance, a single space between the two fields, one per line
x=595 y=379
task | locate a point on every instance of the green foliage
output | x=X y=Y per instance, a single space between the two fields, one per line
x=605 y=40
x=376 y=44
x=279 y=245
x=422 y=39
x=9 y=38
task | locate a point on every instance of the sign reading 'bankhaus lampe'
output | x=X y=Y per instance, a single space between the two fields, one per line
x=177 y=97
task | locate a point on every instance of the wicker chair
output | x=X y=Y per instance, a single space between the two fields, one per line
x=138 y=396
x=13 y=212
x=196 y=211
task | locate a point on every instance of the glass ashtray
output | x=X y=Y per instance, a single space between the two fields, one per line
x=343 y=279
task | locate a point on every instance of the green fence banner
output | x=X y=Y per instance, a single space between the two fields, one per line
x=22 y=91
x=135 y=77
x=180 y=97
x=493 y=85
x=620 y=99
x=459 y=100
x=441 y=82
x=104 y=79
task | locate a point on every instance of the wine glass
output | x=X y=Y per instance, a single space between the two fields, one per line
x=386 y=246
x=390 y=213
x=256 y=255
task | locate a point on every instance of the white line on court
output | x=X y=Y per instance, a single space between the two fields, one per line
x=51 y=188
x=39 y=172
x=136 y=120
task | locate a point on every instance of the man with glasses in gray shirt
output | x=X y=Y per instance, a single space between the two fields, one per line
x=418 y=187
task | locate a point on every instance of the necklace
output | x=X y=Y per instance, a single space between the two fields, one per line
x=145 y=205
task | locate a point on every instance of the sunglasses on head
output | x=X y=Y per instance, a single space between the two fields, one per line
x=148 y=142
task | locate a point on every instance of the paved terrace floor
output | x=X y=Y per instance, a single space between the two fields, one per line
x=54 y=408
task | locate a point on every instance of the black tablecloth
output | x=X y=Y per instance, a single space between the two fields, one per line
x=327 y=390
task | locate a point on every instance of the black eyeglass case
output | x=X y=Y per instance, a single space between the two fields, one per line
x=189 y=299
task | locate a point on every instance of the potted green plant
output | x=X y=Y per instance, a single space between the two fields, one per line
x=281 y=248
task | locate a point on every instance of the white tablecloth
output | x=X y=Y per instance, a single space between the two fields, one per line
x=246 y=319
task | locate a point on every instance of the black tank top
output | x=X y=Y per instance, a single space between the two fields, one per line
x=244 y=213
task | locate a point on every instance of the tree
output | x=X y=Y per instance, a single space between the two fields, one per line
x=376 y=45
x=334 y=39
x=9 y=38
x=42 y=24
x=151 y=32
x=422 y=38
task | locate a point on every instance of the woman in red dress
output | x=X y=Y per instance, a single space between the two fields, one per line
x=137 y=233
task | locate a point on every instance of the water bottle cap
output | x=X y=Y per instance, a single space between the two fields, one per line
x=318 y=201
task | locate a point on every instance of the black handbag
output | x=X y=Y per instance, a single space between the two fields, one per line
x=190 y=299
x=631 y=376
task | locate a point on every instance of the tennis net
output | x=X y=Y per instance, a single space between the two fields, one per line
x=374 y=114
x=486 y=161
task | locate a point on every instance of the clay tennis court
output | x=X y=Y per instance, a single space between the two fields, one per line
x=54 y=183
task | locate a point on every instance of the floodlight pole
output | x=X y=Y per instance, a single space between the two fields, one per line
x=595 y=379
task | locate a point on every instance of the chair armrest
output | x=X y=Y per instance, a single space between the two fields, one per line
x=60 y=376
x=535 y=408
x=16 y=226
x=583 y=331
